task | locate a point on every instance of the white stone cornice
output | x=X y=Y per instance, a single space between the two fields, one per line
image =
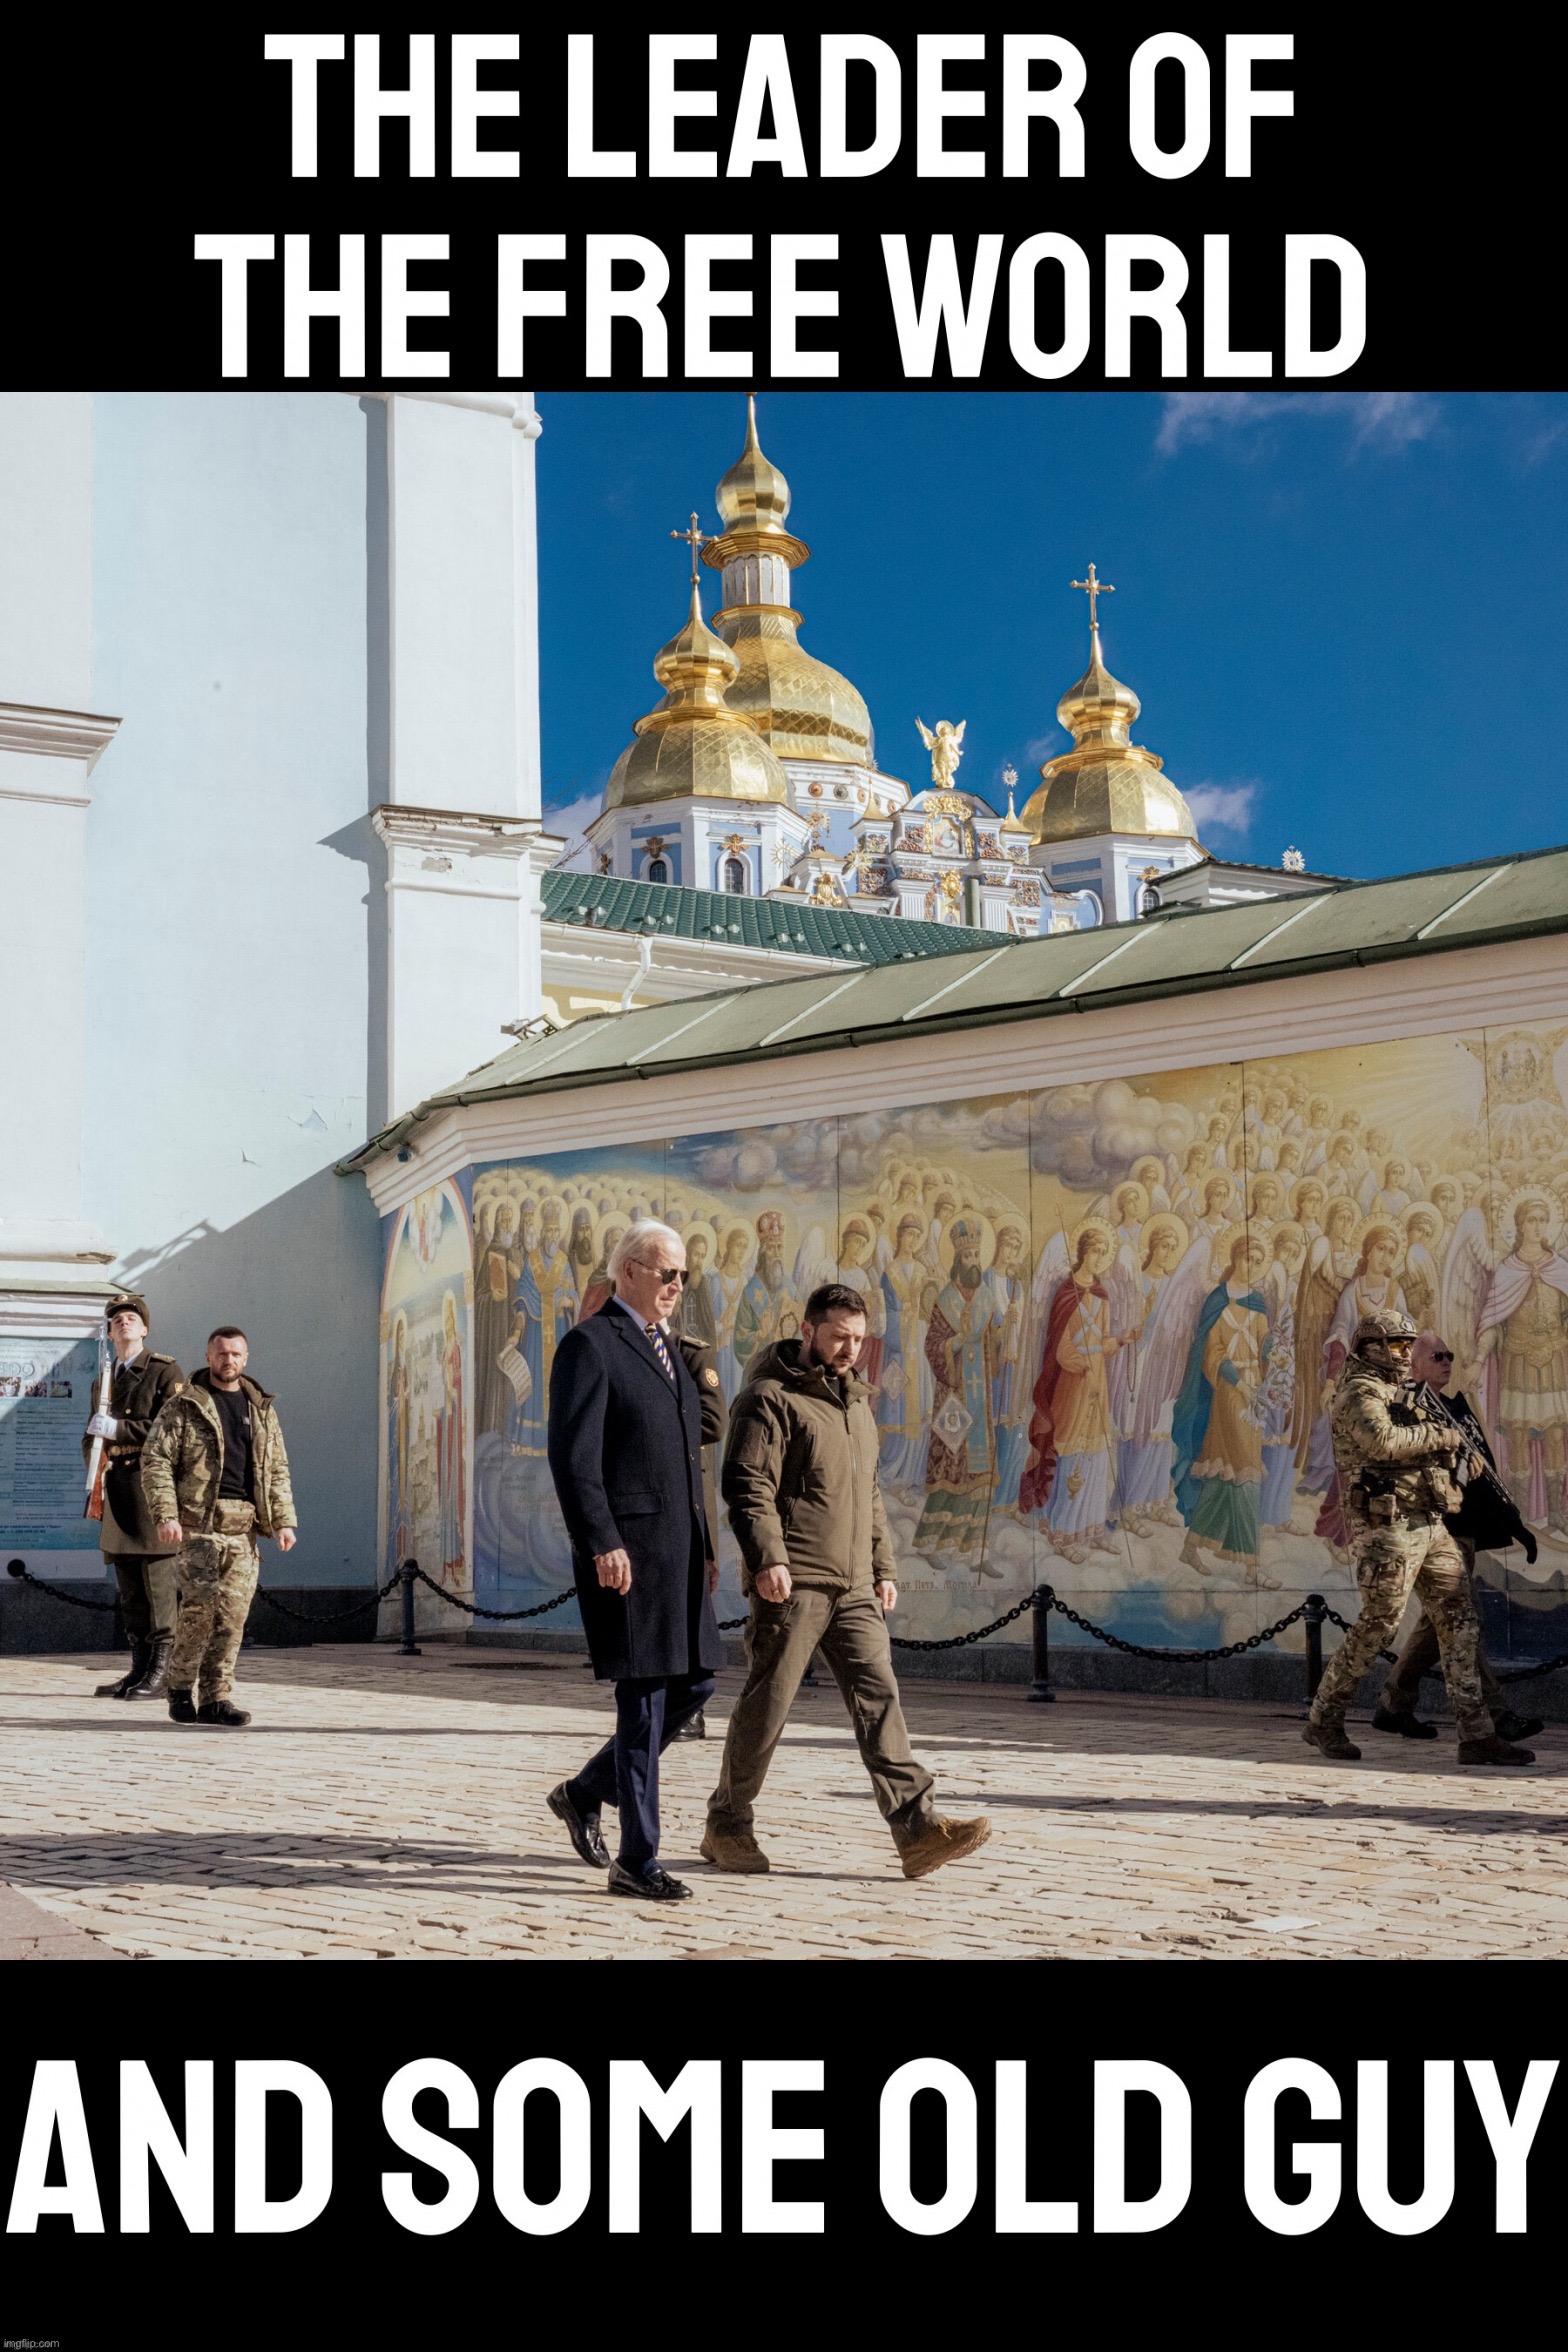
x=473 y=832
x=56 y=734
x=515 y=406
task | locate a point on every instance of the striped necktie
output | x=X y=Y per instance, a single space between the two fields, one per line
x=656 y=1337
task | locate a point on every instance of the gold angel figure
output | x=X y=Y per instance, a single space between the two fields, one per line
x=946 y=748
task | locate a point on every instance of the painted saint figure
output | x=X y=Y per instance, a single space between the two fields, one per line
x=768 y=1309
x=904 y=1400
x=495 y=1279
x=1218 y=1424
x=1011 y=1403
x=1523 y=1330
x=1070 y=1472
x=1143 y=1456
x=451 y=1464
x=725 y=1285
x=545 y=1308
x=961 y=1459
x=398 y=1526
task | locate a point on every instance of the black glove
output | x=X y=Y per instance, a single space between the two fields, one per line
x=1531 y=1547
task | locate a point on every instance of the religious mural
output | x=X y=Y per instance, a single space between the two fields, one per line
x=1104 y=1320
x=428 y=1387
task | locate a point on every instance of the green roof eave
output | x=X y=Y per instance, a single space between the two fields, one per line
x=1484 y=902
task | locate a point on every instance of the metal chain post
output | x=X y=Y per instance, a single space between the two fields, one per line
x=1314 y=1610
x=408 y=1647
x=1040 y=1690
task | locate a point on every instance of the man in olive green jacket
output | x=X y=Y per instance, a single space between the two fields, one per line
x=216 y=1476
x=800 y=1480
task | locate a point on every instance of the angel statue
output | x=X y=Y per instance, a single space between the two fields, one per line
x=946 y=747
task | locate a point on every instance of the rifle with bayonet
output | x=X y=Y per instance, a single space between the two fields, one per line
x=98 y=1454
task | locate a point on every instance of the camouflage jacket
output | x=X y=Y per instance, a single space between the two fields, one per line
x=182 y=1460
x=1394 y=1452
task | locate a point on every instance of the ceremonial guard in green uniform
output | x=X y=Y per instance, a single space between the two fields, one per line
x=1395 y=1454
x=140 y=1385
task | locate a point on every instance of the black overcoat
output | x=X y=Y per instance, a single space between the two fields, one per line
x=625 y=1453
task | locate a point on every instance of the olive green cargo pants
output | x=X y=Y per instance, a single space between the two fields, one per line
x=851 y=1632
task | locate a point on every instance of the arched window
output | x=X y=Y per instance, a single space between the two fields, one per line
x=658 y=871
x=735 y=876
x=1148 y=900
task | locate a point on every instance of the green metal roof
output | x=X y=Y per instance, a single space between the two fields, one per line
x=1353 y=923
x=662 y=909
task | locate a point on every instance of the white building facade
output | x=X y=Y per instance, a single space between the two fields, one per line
x=270 y=842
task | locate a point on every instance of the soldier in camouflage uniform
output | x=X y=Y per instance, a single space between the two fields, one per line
x=1395 y=1457
x=216 y=1476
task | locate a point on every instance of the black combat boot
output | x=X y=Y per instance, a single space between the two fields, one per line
x=140 y=1653
x=182 y=1707
x=155 y=1681
x=1494 y=1751
x=1510 y=1726
x=1407 y=1726
x=224 y=1712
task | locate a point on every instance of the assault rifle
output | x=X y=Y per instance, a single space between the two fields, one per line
x=1470 y=1438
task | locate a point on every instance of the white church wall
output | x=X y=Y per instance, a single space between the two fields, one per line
x=235 y=914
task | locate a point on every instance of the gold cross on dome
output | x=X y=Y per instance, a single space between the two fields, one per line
x=696 y=539
x=1094 y=588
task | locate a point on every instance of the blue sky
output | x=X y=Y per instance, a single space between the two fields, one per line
x=1345 y=613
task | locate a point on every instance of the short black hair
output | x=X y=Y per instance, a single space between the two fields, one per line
x=226 y=1331
x=834 y=1298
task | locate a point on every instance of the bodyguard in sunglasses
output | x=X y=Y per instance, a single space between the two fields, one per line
x=625 y=1447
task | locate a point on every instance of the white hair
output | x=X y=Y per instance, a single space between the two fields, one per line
x=632 y=1247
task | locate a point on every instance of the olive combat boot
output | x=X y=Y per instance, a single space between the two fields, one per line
x=1330 y=1740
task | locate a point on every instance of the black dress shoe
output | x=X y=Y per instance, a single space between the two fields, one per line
x=695 y=1728
x=582 y=1828
x=657 y=1887
x=1407 y=1726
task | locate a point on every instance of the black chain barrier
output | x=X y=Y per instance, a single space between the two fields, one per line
x=1314 y=1612
x=18 y=1569
x=330 y=1616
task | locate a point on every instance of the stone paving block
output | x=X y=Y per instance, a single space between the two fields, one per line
x=395 y=1807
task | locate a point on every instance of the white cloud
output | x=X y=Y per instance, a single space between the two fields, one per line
x=1222 y=808
x=573 y=817
x=1375 y=420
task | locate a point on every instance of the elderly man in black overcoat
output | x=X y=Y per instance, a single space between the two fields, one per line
x=625 y=1445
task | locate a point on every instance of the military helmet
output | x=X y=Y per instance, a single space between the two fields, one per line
x=1382 y=1324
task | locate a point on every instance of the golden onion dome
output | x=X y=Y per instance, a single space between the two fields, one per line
x=1106 y=783
x=754 y=496
x=806 y=710
x=694 y=745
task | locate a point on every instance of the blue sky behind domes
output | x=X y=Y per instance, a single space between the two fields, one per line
x=1344 y=613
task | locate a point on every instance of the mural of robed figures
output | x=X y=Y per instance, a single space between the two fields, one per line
x=428 y=1387
x=1105 y=1319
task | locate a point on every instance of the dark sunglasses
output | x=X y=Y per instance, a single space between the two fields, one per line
x=669 y=1273
x=1442 y=1355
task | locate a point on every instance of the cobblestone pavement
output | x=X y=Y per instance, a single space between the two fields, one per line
x=394 y=1808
